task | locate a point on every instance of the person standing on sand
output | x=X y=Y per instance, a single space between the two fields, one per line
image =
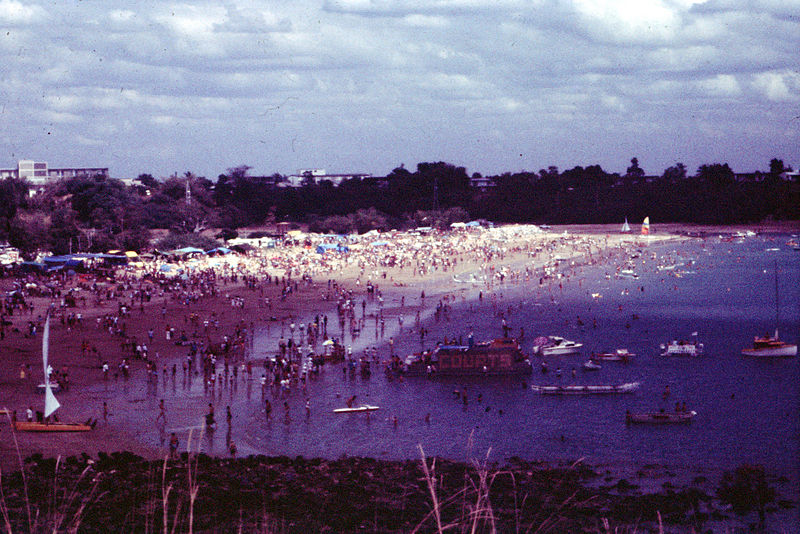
x=162 y=411
x=173 y=446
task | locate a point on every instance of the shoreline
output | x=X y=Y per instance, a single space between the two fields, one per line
x=305 y=304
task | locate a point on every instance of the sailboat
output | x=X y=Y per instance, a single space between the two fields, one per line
x=646 y=226
x=51 y=404
x=626 y=228
x=772 y=346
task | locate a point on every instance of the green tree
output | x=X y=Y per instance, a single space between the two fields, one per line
x=676 y=173
x=13 y=197
x=776 y=166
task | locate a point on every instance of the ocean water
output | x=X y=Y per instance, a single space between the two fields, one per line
x=748 y=409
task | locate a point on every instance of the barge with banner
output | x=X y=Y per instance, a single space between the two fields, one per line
x=502 y=356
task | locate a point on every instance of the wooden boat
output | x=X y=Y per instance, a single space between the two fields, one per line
x=502 y=356
x=33 y=426
x=660 y=417
x=618 y=355
x=357 y=409
x=629 y=387
x=770 y=347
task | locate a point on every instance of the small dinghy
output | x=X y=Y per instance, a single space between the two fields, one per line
x=356 y=409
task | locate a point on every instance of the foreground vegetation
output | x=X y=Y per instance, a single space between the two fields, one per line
x=94 y=214
x=196 y=493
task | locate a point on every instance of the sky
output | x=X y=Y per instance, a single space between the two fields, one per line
x=496 y=86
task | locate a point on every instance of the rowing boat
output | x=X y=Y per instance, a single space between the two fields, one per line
x=364 y=408
x=629 y=387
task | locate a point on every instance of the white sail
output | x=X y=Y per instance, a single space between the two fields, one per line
x=626 y=228
x=50 y=402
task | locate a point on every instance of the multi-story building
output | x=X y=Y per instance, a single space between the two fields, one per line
x=317 y=176
x=38 y=173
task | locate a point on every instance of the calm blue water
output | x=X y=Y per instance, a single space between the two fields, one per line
x=747 y=408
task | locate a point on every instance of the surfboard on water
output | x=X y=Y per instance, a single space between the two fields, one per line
x=364 y=408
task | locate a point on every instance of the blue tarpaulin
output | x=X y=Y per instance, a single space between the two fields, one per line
x=335 y=247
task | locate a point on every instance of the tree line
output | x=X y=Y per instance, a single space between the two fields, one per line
x=99 y=214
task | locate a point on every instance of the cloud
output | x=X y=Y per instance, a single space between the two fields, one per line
x=296 y=84
x=13 y=12
x=782 y=86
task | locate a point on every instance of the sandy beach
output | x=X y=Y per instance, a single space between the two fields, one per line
x=373 y=302
x=80 y=349
x=110 y=318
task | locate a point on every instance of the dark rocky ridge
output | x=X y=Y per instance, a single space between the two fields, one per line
x=124 y=493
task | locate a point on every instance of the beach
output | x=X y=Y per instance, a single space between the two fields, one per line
x=374 y=308
x=80 y=349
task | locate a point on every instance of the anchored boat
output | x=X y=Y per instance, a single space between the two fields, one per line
x=618 y=355
x=660 y=417
x=555 y=346
x=772 y=346
x=683 y=348
x=497 y=357
x=629 y=387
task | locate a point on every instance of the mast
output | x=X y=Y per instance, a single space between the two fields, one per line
x=777 y=303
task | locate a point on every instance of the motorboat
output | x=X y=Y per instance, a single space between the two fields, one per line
x=629 y=387
x=770 y=347
x=660 y=417
x=555 y=346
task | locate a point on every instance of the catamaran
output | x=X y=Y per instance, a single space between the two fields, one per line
x=646 y=226
x=51 y=404
x=626 y=228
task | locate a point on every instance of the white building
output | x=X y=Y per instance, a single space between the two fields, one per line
x=38 y=173
x=318 y=176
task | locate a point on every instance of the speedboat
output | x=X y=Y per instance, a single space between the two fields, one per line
x=555 y=346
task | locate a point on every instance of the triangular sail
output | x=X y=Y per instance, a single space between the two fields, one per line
x=626 y=228
x=50 y=402
x=646 y=226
